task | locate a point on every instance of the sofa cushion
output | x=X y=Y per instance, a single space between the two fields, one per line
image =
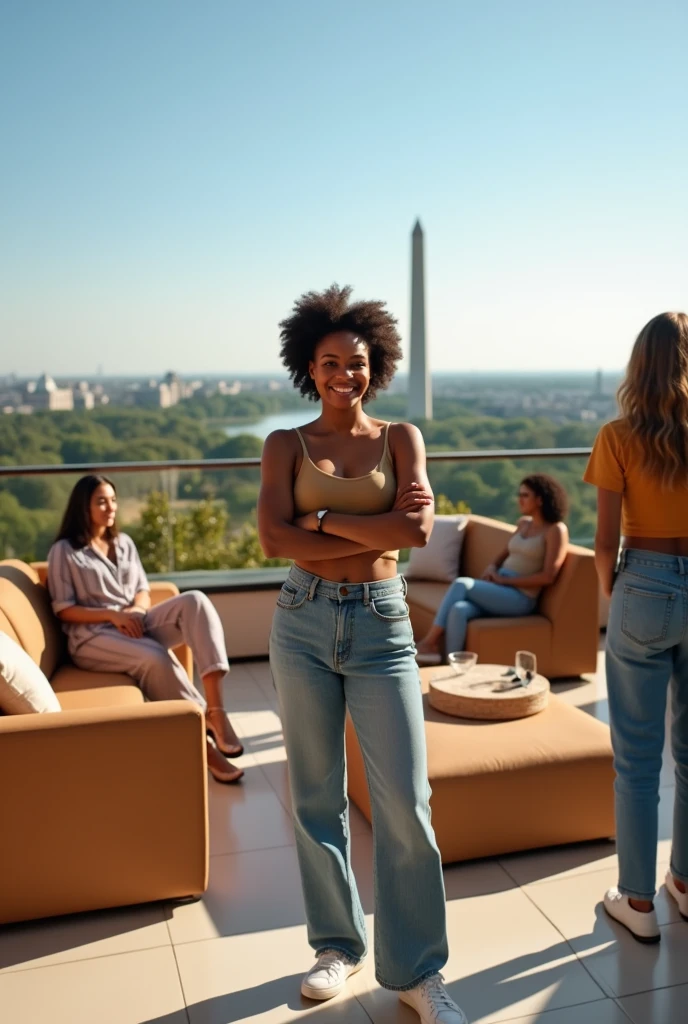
x=26 y=604
x=496 y=640
x=7 y=627
x=427 y=596
x=499 y=787
x=439 y=559
x=69 y=678
x=101 y=697
x=23 y=687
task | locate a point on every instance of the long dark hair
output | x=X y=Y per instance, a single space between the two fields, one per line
x=653 y=398
x=76 y=523
x=555 y=504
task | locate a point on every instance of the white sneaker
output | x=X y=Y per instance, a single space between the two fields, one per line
x=328 y=975
x=680 y=897
x=642 y=927
x=432 y=1002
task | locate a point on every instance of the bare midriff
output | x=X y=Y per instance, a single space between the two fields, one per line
x=368 y=567
x=662 y=545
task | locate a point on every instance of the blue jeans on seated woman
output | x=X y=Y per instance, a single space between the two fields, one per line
x=469 y=599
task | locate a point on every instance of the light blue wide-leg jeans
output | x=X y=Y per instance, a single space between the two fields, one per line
x=337 y=646
x=647 y=649
x=468 y=599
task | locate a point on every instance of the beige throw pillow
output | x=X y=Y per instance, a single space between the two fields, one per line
x=439 y=559
x=23 y=687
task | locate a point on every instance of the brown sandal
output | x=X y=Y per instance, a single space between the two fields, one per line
x=234 y=775
x=221 y=769
x=217 y=740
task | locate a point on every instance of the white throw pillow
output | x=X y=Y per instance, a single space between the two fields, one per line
x=439 y=559
x=23 y=687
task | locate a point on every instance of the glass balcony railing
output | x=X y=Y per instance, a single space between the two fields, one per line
x=200 y=515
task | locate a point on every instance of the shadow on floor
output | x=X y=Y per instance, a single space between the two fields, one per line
x=27 y=941
x=251 y=1003
x=489 y=992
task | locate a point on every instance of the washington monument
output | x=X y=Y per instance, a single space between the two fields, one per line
x=420 y=382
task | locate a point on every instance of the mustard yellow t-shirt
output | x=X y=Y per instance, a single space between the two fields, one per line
x=648 y=509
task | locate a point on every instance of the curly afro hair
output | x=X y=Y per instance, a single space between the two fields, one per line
x=317 y=314
x=555 y=504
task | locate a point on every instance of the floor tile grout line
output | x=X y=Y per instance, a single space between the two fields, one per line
x=179 y=973
x=648 y=991
x=565 y=878
x=371 y=1019
x=557 y=1009
x=243 y=853
x=276 y=792
x=255 y=849
x=84 y=959
x=595 y=981
x=617 y=1001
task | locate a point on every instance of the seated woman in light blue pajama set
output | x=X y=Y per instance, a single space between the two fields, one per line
x=100 y=592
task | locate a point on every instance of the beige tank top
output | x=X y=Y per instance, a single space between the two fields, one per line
x=370 y=494
x=526 y=557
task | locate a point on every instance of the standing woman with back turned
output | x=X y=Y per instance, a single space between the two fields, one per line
x=336 y=496
x=640 y=467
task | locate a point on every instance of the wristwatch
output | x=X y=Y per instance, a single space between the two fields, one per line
x=321 y=515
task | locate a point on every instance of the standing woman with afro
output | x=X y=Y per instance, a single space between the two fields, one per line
x=339 y=497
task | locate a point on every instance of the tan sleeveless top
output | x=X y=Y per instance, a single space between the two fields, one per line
x=526 y=557
x=370 y=494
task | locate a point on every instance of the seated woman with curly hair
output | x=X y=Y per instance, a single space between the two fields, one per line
x=512 y=584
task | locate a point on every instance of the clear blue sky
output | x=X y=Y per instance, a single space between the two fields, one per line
x=175 y=172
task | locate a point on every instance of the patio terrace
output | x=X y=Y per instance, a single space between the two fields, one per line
x=528 y=939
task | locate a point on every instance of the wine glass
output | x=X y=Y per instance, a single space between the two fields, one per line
x=525 y=665
x=462 y=661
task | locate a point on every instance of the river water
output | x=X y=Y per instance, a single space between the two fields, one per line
x=279 y=421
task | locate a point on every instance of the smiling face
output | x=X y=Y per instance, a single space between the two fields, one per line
x=103 y=507
x=340 y=369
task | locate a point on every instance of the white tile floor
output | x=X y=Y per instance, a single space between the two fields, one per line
x=527 y=937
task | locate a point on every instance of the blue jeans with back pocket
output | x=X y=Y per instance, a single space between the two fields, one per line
x=646 y=654
x=333 y=647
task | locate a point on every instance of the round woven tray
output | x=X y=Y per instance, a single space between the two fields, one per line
x=477 y=695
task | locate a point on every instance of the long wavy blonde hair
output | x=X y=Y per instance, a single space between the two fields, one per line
x=653 y=398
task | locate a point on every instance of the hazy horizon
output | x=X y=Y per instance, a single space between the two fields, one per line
x=174 y=175
x=402 y=375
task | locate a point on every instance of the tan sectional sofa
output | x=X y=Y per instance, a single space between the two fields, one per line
x=501 y=787
x=564 y=630
x=104 y=803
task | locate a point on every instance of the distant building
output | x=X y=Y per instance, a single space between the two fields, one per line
x=84 y=400
x=161 y=396
x=174 y=388
x=45 y=394
x=599 y=388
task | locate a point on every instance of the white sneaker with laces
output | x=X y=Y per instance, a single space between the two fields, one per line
x=432 y=1002
x=328 y=975
x=642 y=927
x=680 y=897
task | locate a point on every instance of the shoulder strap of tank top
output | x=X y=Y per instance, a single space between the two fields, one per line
x=385 y=450
x=303 y=443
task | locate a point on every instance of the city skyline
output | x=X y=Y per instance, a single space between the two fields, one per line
x=169 y=216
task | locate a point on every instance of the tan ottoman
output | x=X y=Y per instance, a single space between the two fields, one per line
x=498 y=787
